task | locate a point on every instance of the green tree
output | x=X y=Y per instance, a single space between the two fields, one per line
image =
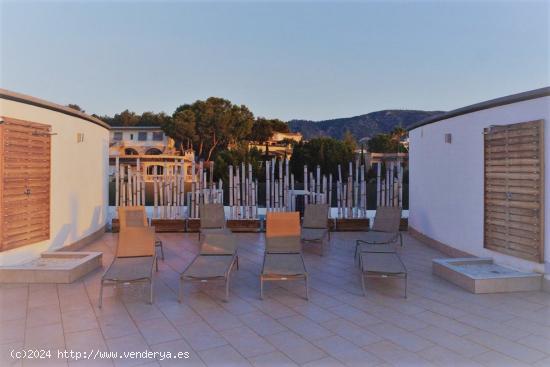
x=181 y=127
x=349 y=140
x=218 y=123
x=328 y=153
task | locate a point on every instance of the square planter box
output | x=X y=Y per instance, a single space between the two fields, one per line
x=168 y=225
x=244 y=225
x=352 y=224
x=193 y=224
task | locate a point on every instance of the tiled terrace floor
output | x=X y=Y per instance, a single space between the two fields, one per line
x=439 y=324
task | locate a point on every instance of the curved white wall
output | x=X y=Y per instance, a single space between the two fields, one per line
x=79 y=191
x=446 y=180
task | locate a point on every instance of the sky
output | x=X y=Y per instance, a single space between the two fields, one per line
x=282 y=59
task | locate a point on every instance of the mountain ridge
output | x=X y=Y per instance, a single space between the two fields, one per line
x=360 y=126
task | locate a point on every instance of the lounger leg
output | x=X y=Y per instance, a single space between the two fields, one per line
x=363 y=284
x=161 y=250
x=406 y=283
x=157 y=263
x=180 y=293
x=307 y=288
x=151 y=291
x=237 y=258
x=101 y=294
x=227 y=289
x=261 y=288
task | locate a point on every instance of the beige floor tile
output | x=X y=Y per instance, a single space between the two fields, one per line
x=174 y=347
x=219 y=319
x=355 y=334
x=179 y=314
x=201 y=336
x=445 y=357
x=538 y=342
x=496 y=359
x=295 y=347
x=129 y=343
x=247 y=342
x=401 y=337
x=346 y=352
x=446 y=323
x=315 y=313
x=494 y=327
x=12 y=331
x=458 y=344
x=262 y=324
x=78 y=320
x=45 y=315
x=223 y=356
x=157 y=330
x=84 y=341
x=507 y=347
x=354 y=315
x=46 y=337
x=305 y=327
x=274 y=359
x=116 y=325
x=397 y=356
x=439 y=324
x=7 y=358
x=325 y=362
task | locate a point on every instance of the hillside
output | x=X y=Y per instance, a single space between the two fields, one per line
x=361 y=126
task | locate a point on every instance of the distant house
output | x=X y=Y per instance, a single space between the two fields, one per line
x=140 y=140
x=280 y=144
x=155 y=150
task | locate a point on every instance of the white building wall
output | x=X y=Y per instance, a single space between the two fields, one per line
x=446 y=180
x=79 y=187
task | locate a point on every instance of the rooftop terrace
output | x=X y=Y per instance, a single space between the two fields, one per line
x=439 y=323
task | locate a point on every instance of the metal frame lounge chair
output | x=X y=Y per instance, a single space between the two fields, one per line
x=381 y=264
x=212 y=219
x=384 y=233
x=283 y=250
x=134 y=259
x=215 y=261
x=315 y=226
x=136 y=216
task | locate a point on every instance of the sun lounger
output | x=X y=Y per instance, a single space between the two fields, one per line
x=215 y=261
x=385 y=233
x=134 y=259
x=135 y=216
x=212 y=219
x=315 y=226
x=382 y=264
x=283 y=250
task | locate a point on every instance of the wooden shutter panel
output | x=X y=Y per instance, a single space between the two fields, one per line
x=24 y=183
x=514 y=190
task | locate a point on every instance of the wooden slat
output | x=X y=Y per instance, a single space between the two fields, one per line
x=26 y=150
x=514 y=190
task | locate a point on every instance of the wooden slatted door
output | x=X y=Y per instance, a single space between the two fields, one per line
x=514 y=190
x=24 y=183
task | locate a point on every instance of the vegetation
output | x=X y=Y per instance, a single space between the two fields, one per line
x=325 y=152
x=388 y=143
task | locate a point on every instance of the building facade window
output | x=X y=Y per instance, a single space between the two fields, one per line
x=117 y=136
x=158 y=135
x=131 y=136
x=142 y=136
